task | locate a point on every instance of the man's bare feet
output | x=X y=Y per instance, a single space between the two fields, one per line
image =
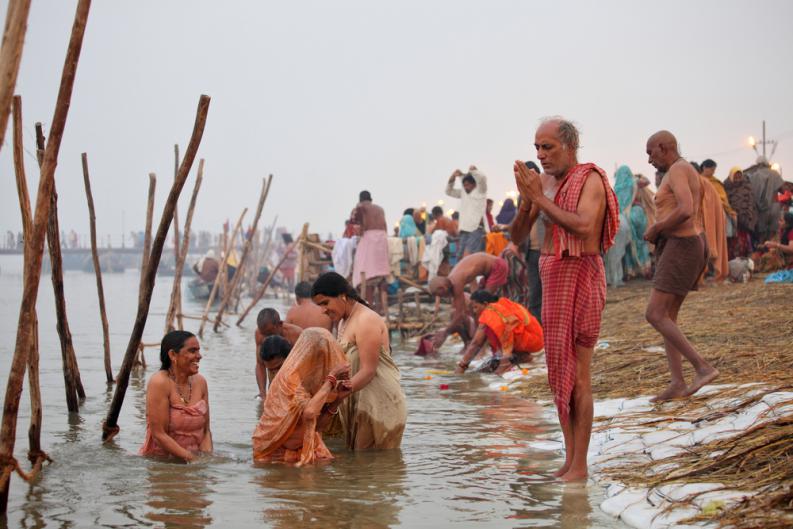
x=562 y=471
x=674 y=391
x=702 y=380
x=575 y=475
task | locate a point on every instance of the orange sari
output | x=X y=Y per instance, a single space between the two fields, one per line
x=313 y=356
x=510 y=327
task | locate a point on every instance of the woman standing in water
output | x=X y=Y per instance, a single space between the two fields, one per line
x=177 y=401
x=374 y=415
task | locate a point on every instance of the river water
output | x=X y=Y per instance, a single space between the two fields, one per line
x=466 y=458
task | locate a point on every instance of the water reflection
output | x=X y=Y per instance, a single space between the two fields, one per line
x=356 y=490
x=179 y=494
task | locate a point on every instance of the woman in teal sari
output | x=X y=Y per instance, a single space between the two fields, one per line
x=637 y=257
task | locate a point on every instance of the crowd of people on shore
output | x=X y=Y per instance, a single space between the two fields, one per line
x=533 y=278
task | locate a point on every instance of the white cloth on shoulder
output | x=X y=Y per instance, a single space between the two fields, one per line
x=396 y=252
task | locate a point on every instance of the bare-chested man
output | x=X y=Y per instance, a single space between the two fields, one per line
x=580 y=212
x=681 y=256
x=305 y=313
x=269 y=323
x=371 y=255
x=465 y=272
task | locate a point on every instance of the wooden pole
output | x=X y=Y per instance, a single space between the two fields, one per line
x=235 y=281
x=100 y=290
x=147 y=236
x=141 y=359
x=266 y=283
x=221 y=273
x=177 y=285
x=35 y=454
x=27 y=315
x=177 y=277
x=301 y=257
x=71 y=373
x=110 y=425
x=10 y=56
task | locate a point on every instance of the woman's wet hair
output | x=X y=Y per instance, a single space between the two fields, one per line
x=274 y=347
x=484 y=297
x=333 y=285
x=173 y=341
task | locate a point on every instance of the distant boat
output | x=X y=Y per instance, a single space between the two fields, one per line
x=200 y=290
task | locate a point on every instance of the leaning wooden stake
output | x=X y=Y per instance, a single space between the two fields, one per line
x=27 y=316
x=98 y=270
x=10 y=56
x=266 y=283
x=221 y=272
x=110 y=425
x=177 y=277
x=71 y=373
x=35 y=454
x=236 y=280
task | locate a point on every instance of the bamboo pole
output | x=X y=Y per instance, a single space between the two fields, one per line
x=35 y=454
x=110 y=426
x=140 y=359
x=266 y=283
x=71 y=373
x=147 y=237
x=221 y=273
x=177 y=286
x=177 y=278
x=27 y=315
x=97 y=270
x=236 y=280
x=301 y=257
x=11 y=55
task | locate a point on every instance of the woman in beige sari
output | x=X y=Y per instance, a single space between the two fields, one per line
x=301 y=401
x=374 y=415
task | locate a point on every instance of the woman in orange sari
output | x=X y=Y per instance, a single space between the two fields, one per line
x=513 y=333
x=302 y=400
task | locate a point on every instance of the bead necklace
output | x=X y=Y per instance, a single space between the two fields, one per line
x=343 y=322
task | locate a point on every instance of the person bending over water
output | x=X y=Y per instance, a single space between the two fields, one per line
x=302 y=400
x=513 y=333
x=374 y=415
x=272 y=355
x=268 y=323
x=177 y=401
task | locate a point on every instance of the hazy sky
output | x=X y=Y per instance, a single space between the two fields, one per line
x=336 y=97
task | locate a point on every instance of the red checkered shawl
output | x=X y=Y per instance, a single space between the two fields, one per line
x=564 y=242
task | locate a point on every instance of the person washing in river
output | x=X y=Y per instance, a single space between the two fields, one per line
x=512 y=332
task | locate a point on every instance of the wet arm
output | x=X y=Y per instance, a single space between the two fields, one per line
x=473 y=348
x=314 y=407
x=206 y=443
x=458 y=313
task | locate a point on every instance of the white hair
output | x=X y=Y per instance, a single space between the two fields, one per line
x=567 y=132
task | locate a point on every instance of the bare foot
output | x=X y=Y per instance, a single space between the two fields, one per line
x=674 y=391
x=575 y=475
x=702 y=380
x=562 y=471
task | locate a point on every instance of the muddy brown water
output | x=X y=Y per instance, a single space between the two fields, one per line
x=466 y=458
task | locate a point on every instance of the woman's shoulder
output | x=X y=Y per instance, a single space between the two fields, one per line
x=159 y=381
x=199 y=380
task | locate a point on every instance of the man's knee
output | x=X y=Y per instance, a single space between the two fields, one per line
x=654 y=314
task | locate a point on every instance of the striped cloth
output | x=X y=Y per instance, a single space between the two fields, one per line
x=573 y=288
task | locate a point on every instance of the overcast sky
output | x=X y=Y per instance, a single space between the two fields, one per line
x=337 y=97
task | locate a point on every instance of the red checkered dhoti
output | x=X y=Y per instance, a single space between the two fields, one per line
x=573 y=297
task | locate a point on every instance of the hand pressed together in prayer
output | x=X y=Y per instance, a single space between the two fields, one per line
x=528 y=181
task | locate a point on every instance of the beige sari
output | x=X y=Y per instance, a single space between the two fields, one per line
x=375 y=416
